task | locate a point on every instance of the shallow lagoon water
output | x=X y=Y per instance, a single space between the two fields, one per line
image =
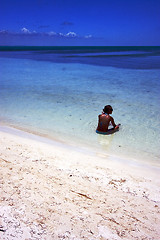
x=63 y=100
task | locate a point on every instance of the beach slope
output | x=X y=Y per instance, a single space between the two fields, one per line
x=50 y=191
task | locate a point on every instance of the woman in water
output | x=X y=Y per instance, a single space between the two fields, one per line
x=104 y=120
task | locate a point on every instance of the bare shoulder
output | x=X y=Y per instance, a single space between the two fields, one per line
x=111 y=118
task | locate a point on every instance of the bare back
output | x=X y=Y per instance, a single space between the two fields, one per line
x=103 y=123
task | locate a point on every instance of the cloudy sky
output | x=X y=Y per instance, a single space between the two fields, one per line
x=80 y=22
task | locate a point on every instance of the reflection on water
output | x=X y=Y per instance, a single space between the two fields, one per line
x=105 y=141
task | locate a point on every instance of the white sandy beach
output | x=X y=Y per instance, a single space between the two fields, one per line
x=51 y=191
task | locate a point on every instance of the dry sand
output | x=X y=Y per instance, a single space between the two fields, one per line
x=50 y=191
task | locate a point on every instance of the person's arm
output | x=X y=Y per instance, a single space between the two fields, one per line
x=113 y=123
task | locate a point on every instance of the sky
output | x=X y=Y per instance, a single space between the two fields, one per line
x=80 y=22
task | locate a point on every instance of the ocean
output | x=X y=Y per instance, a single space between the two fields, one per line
x=58 y=92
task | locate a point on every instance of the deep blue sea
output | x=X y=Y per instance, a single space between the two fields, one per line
x=58 y=92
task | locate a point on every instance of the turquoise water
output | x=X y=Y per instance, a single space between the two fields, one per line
x=60 y=95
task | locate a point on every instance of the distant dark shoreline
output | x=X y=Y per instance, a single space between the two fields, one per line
x=81 y=48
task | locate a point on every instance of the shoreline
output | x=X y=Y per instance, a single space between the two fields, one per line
x=24 y=133
x=53 y=191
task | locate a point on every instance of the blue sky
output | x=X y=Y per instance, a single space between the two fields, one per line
x=80 y=22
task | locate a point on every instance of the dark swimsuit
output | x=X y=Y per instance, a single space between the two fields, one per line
x=110 y=131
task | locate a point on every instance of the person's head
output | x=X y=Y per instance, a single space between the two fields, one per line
x=108 y=109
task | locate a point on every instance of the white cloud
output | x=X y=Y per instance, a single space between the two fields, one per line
x=52 y=33
x=71 y=34
x=61 y=34
x=88 y=36
x=25 y=30
x=3 y=32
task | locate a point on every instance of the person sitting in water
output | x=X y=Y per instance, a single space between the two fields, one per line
x=105 y=119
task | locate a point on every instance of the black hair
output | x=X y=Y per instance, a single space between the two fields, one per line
x=107 y=109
